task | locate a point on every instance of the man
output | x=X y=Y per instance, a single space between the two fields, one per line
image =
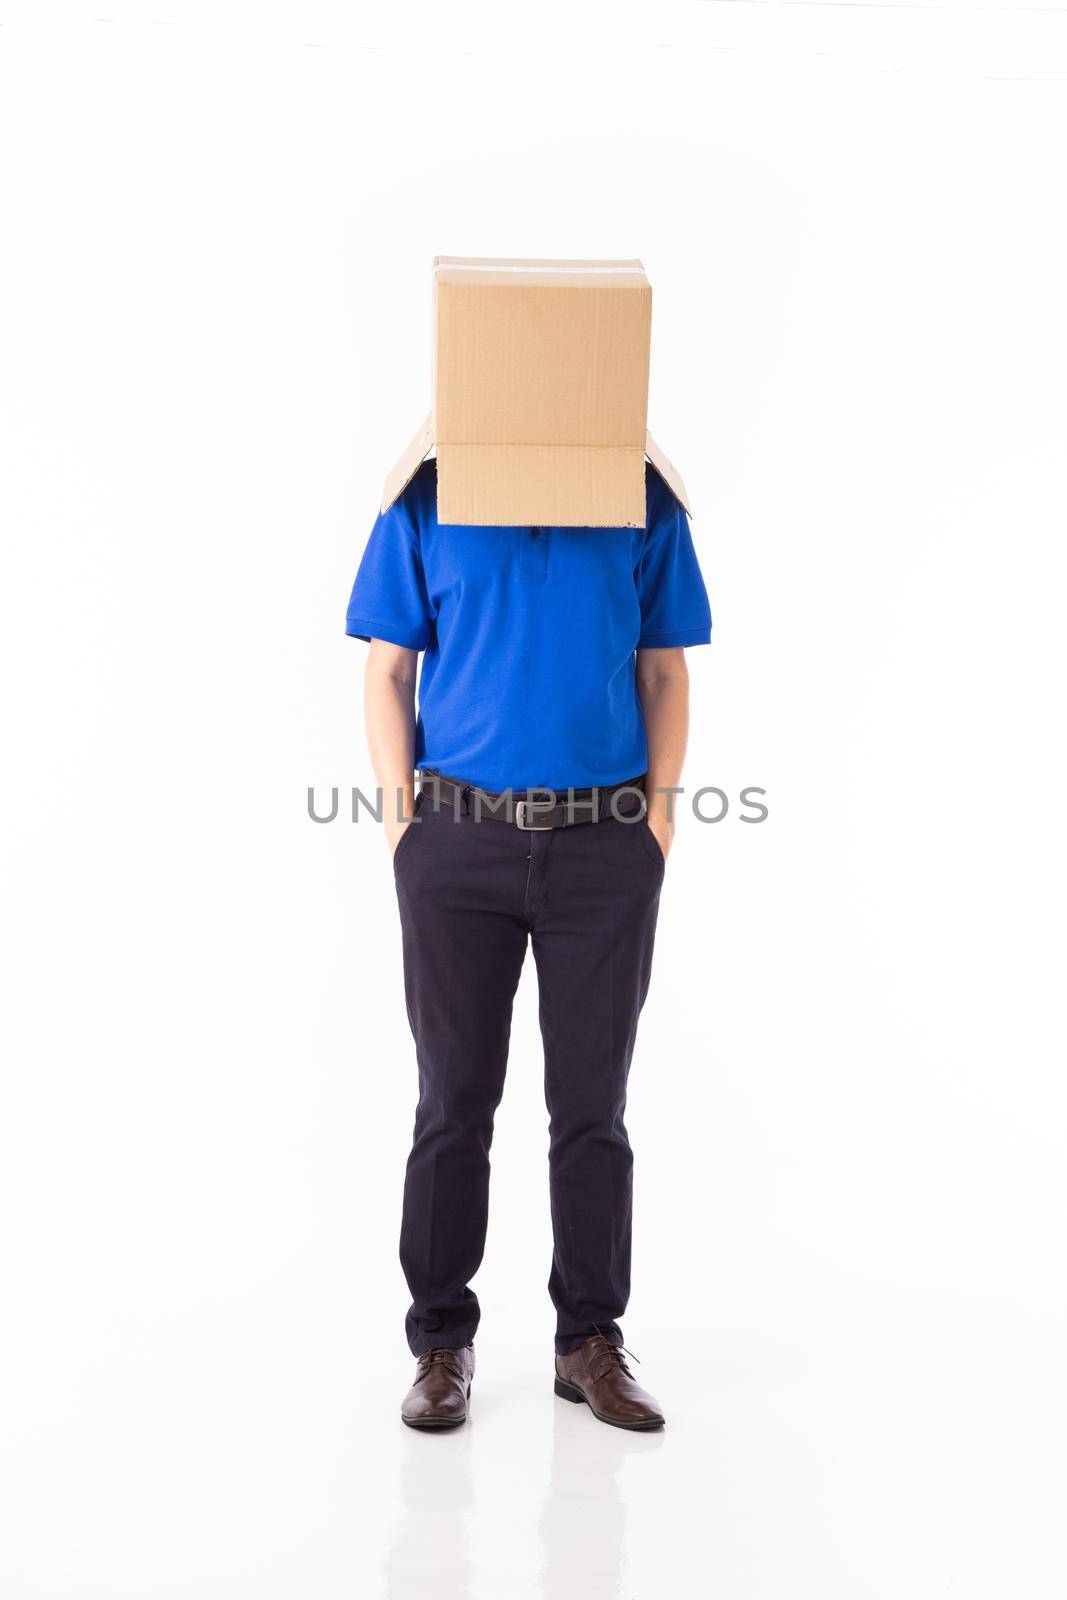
x=554 y=660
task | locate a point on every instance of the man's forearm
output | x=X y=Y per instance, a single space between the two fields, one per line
x=389 y=711
x=663 y=687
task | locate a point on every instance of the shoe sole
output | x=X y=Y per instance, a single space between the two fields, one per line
x=567 y=1391
x=432 y=1424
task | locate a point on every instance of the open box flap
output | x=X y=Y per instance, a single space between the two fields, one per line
x=549 y=486
x=409 y=463
x=668 y=472
x=423 y=446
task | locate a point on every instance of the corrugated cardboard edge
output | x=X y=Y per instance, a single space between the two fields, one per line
x=545 y=266
x=423 y=443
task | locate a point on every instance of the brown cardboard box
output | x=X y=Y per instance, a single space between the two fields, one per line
x=540 y=395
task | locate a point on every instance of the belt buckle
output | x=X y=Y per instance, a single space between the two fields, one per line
x=530 y=827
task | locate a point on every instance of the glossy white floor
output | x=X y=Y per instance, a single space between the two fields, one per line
x=784 y=1469
x=848 y=1103
x=835 y=1461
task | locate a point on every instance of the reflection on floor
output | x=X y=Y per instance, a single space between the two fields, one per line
x=567 y=1477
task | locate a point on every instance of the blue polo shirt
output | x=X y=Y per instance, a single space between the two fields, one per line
x=529 y=634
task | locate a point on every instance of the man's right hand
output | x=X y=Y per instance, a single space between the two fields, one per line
x=394 y=829
x=394 y=833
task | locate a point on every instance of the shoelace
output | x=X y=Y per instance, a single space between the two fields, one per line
x=436 y=1358
x=612 y=1355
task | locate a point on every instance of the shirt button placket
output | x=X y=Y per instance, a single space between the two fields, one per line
x=534 y=554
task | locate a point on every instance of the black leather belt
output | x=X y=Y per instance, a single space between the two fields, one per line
x=535 y=810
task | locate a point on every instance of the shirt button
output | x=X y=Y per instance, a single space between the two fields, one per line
x=534 y=532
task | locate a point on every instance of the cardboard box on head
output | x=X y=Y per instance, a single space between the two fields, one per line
x=540 y=395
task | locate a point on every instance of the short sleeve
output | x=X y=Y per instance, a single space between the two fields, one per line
x=389 y=595
x=674 y=601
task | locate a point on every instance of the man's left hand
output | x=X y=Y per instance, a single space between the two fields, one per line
x=662 y=832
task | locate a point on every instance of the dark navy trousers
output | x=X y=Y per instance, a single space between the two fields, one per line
x=473 y=893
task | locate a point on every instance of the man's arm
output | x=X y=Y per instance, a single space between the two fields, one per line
x=389 y=713
x=663 y=688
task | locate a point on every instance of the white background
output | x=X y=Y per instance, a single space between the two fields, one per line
x=848 y=1102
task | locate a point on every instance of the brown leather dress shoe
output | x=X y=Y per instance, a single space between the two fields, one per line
x=597 y=1373
x=438 y=1397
